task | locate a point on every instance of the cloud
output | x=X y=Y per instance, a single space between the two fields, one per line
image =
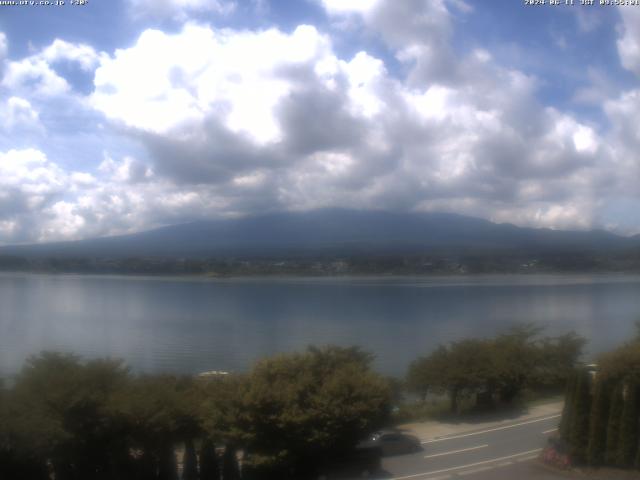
x=28 y=182
x=622 y=113
x=19 y=113
x=418 y=32
x=35 y=75
x=239 y=76
x=229 y=122
x=179 y=10
x=283 y=118
x=342 y=7
x=3 y=46
x=128 y=170
x=84 y=55
x=588 y=19
x=629 y=41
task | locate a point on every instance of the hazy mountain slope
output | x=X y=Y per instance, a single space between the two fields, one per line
x=330 y=230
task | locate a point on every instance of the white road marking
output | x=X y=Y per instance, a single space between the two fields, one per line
x=484 y=462
x=525 y=459
x=550 y=430
x=474 y=470
x=490 y=430
x=456 y=451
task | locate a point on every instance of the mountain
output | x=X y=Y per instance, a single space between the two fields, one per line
x=332 y=231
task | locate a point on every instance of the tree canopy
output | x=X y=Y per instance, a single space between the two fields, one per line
x=84 y=420
x=499 y=367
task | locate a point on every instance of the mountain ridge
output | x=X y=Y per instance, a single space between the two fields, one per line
x=331 y=231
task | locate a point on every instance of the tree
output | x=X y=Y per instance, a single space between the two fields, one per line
x=16 y=462
x=230 y=468
x=297 y=411
x=557 y=359
x=471 y=370
x=621 y=364
x=159 y=413
x=613 y=426
x=209 y=469
x=190 y=461
x=426 y=374
x=628 y=442
x=598 y=423
x=621 y=368
x=515 y=357
x=61 y=416
x=500 y=367
x=579 y=433
x=566 y=421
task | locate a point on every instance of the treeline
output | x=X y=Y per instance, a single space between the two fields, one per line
x=445 y=263
x=290 y=416
x=601 y=419
x=497 y=370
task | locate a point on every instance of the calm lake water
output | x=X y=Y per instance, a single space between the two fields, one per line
x=192 y=325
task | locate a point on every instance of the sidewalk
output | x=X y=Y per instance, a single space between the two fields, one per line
x=434 y=429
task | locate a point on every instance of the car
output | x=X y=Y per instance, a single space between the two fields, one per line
x=392 y=443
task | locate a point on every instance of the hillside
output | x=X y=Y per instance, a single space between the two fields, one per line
x=333 y=232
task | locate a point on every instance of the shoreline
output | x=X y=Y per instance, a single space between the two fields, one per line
x=452 y=278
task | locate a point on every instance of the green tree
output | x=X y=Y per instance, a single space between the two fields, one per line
x=190 y=461
x=628 y=442
x=613 y=426
x=230 y=468
x=579 y=433
x=621 y=367
x=566 y=421
x=500 y=367
x=16 y=462
x=598 y=423
x=557 y=359
x=470 y=370
x=426 y=374
x=159 y=414
x=515 y=357
x=209 y=468
x=297 y=411
x=61 y=415
x=622 y=363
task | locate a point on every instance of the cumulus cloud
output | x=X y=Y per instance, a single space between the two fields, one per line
x=419 y=33
x=283 y=117
x=240 y=76
x=28 y=182
x=127 y=170
x=179 y=9
x=84 y=55
x=342 y=7
x=3 y=46
x=35 y=75
x=41 y=201
x=629 y=41
x=19 y=113
x=241 y=121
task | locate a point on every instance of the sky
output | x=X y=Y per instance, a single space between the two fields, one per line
x=119 y=116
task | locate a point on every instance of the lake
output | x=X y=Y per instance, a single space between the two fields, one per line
x=189 y=325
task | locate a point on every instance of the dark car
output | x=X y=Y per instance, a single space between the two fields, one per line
x=392 y=443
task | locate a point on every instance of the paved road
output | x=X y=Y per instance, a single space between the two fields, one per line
x=505 y=451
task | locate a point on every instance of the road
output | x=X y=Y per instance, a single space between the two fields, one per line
x=504 y=451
